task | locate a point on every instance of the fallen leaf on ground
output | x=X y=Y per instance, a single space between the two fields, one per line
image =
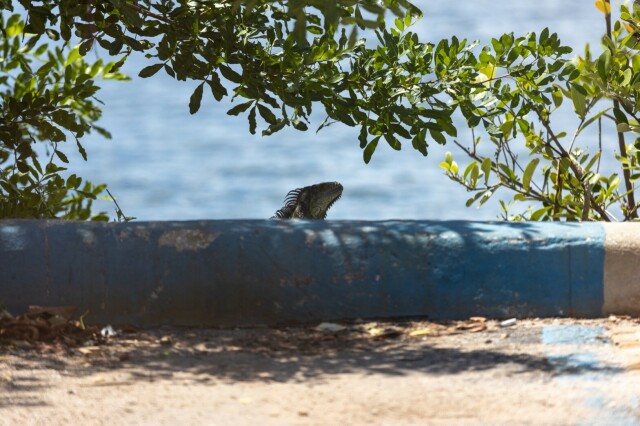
x=89 y=350
x=384 y=333
x=46 y=325
x=422 y=332
x=369 y=324
x=330 y=327
x=474 y=327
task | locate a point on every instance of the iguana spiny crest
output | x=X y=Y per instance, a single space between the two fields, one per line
x=310 y=202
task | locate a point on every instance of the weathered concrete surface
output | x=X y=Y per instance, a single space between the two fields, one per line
x=541 y=372
x=245 y=272
x=622 y=268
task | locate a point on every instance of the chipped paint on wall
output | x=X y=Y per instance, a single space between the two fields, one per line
x=12 y=238
x=187 y=239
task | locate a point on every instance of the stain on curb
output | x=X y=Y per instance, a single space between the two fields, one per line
x=187 y=239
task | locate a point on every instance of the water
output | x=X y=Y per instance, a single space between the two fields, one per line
x=165 y=164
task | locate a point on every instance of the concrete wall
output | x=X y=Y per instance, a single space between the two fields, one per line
x=242 y=272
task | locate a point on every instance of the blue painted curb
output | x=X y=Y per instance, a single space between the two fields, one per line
x=243 y=272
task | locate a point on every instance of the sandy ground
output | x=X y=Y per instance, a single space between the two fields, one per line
x=542 y=372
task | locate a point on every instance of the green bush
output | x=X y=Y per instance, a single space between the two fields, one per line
x=521 y=84
x=47 y=96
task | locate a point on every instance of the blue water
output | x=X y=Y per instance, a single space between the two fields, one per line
x=164 y=163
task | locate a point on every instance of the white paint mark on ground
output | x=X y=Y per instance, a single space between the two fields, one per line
x=575 y=352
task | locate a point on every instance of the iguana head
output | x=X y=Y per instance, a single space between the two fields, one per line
x=310 y=202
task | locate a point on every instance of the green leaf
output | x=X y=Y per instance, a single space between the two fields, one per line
x=267 y=115
x=240 y=108
x=507 y=126
x=252 y=121
x=129 y=13
x=507 y=171
x=362 y=137
x=492 y=129
x=579 y=101
x=61 y=156
x=370 y=149
x=217 y=89
x=593 y=160
x=393 y=142
x=473 y=199
x=536 y=215
x=591 y=120
x=475 y=173
x=620 y=116
x=468 y=169
x=196 y=99
x=336 y=78
x=74 y=55
x=230 y=74
x=73 y=182
x=635 y=63
x=438 y=136
x=448 y=158
x=44 y=70
x=604 y=64
x=486 y=169
x=150 y=70
x=64 y=119
x=299 y=125
x=419 y=142
x=557 y=97
x=276 y=127
x=81 y=150
x=528 y=173
x=544 y=35
x=169 y=71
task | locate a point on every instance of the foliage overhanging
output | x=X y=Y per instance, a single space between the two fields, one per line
x=278 y=60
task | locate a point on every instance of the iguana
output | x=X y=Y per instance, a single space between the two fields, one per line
x=310 y=202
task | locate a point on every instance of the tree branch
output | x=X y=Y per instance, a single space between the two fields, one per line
x=575 y=167
x=631 y=212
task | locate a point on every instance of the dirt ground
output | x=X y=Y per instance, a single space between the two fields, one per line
x=546 y=372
